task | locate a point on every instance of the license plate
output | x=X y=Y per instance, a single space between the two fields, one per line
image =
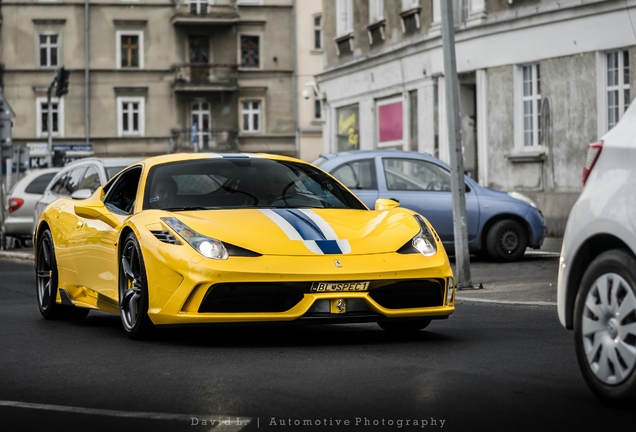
x=339 y=286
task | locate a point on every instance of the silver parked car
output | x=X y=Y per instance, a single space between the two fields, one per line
x=79 y=179
x=21 y=202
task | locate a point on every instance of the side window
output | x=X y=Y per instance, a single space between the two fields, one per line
x=357 y=174
x=90 y=180
x=123 y=191
x=59 y=183
x=40 y=183
x=74 y=178
x=412 y=174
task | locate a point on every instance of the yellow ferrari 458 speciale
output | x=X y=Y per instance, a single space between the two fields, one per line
x=237 y=238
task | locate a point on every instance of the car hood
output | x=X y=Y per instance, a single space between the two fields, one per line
x=306 y=231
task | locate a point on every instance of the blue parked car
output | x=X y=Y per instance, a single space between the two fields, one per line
x=502 y=224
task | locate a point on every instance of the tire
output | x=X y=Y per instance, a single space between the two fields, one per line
x=46 y=283
x=133 y=291
x=404 y=326
x=605 y=327
x=506 y=241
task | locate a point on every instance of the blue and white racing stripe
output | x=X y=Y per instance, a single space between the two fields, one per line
x=306 y=226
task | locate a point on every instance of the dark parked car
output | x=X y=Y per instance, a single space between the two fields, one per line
x=501 y=224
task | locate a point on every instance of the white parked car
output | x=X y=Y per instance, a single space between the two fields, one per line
x=597 y=275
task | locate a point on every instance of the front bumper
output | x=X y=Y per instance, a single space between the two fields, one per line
x=179 y=284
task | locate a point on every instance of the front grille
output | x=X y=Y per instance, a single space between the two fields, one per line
x=253 y=297
x=409 y=294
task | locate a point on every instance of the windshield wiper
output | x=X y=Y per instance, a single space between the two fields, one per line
x=187 y=208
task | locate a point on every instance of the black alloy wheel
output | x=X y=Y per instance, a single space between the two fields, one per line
x=506 y=241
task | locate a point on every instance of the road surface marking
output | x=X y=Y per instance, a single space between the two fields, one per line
x=530 y=303
x=221 y=422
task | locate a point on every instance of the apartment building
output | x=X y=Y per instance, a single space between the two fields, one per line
x=152 y=76
x=539 y=80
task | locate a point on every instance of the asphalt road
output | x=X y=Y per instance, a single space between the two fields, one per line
x=491 y=366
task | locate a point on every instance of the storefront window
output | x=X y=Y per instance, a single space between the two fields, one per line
x=348 y=134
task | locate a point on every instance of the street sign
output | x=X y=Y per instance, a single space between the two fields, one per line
x=87 y=148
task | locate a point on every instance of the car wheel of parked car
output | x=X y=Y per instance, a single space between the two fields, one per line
x=404 y=326
x=605 y=326
x=506 y=241
x=133 y=291
x=46 y=283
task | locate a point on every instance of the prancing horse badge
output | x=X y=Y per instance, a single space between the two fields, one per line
x=338 y=263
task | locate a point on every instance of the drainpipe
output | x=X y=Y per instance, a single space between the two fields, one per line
x=295 y=80
x=87 y=107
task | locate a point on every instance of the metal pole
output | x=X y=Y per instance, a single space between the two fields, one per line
x=462 y=258
x=87 y=107
x=49 y=127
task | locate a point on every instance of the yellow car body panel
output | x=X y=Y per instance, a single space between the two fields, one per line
x=179 y=277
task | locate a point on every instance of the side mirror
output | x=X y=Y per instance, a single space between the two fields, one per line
x=81 y=194
x=382 y=204
x=97 y=210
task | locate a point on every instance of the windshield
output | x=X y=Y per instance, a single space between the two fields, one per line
x=223 y=183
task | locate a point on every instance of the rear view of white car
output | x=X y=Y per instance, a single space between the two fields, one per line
x=597 y=275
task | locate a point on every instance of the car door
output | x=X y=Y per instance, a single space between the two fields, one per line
x=425 y=186
x=97 y=258
x=360 y=177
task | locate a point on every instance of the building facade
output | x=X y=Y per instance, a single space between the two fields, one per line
x=309 y=62
x=163 y=75
x=539 y=80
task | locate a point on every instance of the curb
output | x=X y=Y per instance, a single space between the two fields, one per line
x=17 y=255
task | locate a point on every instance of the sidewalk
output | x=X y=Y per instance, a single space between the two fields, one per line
x=533 y=280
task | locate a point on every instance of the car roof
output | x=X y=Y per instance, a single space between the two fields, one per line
x=106 y=161
x=358 y=153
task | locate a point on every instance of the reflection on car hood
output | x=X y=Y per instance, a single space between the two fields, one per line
x=306 y=231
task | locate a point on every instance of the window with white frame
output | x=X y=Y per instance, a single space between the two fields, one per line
x=318 y=32
x=42 y=117
x=131 y=116
x=250 y=46
x=410 y=4
x=200 y=124
x=390 y=123
x=344 y=14
x=130 y=48
x=376 y=11
x=531 y=105
x=618 y=95
x=198 y=7
x=463 y=11
x=49 y=49
x=251 y=116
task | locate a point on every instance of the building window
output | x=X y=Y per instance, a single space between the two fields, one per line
x=318 y=32
x=463 y=11
x=49 y=50
x=131 y=116
x=390 y=124
x=413 y=126
x=531 y=102
x=198 y=7
x=410 y=16
x=618 y=96
x=250 y=51
x=130 y=50
x=251 y=116
x=317 y=109
x=57 y=114
x=344 y=11
x=376 y=11
x=348 y=133
x=200 y=125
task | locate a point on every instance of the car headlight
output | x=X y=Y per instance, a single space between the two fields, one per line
x=423 y=242
x=206 y=246
x=522 y=197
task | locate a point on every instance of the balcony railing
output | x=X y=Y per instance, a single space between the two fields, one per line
x=213 y=140
x=192 y=76
x=202 y=13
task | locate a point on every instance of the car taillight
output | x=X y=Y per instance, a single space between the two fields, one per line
x=15 y=204
x=593 y=152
